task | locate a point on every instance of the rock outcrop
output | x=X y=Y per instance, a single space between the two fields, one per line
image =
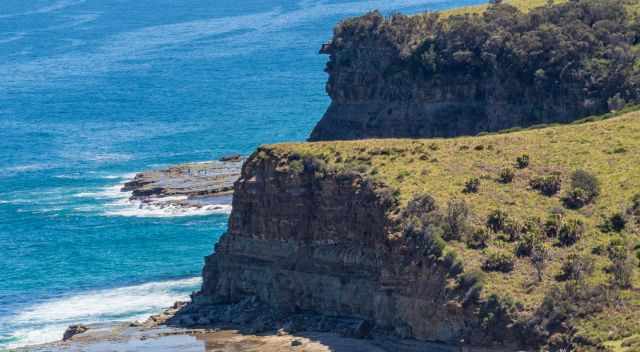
x=304 y=241
x=205 y=186
x=407 y=77
x=74 y=330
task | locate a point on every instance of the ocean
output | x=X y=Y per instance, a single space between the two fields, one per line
x=93 y=91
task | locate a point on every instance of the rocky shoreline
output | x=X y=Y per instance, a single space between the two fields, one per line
x=193 y=186
x=244 y=326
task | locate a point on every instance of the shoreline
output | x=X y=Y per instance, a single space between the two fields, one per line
x=189 y=189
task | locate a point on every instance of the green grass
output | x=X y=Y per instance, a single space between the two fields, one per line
x=523 y=5
x=608 y=148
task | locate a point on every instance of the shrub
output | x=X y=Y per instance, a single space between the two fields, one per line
x=539 y=255
x=420 y=206
x=527 y=243
x=553 y=225
x=513 y=229
x=478 y=238
x=585 y=187
x=456 y=220
x=424 y=240
x=577 y=267
x=623 y=263
x=498 y=260
x=547 y=185
x=615 y=223
x=588 y=182
x=296 y=166
x=506 y=176
x=522 y=162
x=570 y=232
x=453 y=264
x=472 y=185
x=576 y=198
x=470 y=283
x=564 y=303
x=496 y=316
x=633 y=212
x=496 y=220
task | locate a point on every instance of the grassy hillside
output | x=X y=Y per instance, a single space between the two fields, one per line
x=446 y=169
x=523 y=5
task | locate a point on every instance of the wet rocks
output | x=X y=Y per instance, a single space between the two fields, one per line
x=74 y=330
x=194 y=185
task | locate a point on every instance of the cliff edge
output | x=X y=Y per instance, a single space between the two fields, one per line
x=522 y=240
x=431 y=75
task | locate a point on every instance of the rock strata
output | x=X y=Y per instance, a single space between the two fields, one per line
x=194 y=185
x=303 y=249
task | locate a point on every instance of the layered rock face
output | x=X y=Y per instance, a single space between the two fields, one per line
x=377 y=91
x=302 y=243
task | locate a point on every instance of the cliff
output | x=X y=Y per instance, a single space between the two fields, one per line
x=430 y=75
x=305 y=241
x=394 y=234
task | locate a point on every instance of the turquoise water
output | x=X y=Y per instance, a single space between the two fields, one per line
x=94 y=90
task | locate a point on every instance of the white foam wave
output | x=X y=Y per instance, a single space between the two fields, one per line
x=164 y=207
x=45 y=322
x=151 y=210
x=109 y=192
x=128 y=176
x=120 y=204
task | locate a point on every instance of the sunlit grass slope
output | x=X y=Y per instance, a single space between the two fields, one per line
x=608 y=149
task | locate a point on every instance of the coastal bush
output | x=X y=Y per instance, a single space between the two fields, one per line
x=420 y=206
x=623 y=263
x=497 y=315
x=472 y=185
x=615 y=223
x=547 y=185
x=296 y=166
x=498 y=260
x=496 y=220
x=576 y=198
x=506 y=175
x=582 y=46
x=424 y=240
x=553 y=224
x=453 y=264
x=527 y=243
x=512 y=229
x=470 y=284
x=456 y=220
x=539 y=256
x=522 y=162
x=585 y=187
x=478 y=238
x=576 y=267
x=561 y=305
x=633 y=212
x=570 y=232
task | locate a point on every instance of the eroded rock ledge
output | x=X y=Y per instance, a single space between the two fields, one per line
x=307 y=243
x=201 y=185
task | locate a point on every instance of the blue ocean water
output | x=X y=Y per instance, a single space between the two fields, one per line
x=92 y=91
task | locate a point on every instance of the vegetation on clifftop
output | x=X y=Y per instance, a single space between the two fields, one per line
x=568 y=272
x=586 y=48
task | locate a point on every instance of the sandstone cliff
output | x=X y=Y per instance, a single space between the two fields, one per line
x=428 y=76
x=303 y=240
x=389 y=238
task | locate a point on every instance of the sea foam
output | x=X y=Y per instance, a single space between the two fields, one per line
x=47 y=321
